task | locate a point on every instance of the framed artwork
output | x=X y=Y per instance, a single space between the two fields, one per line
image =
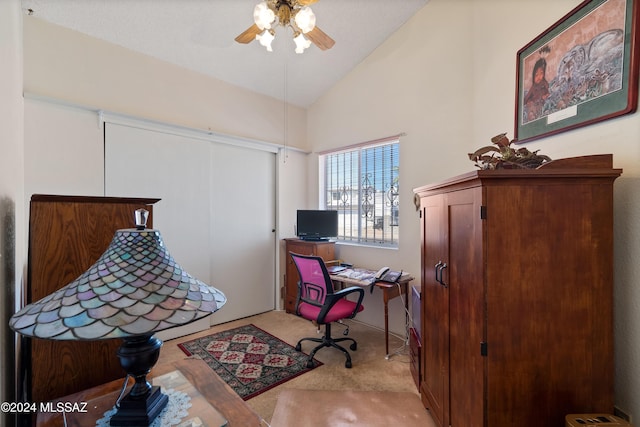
x=582 y=70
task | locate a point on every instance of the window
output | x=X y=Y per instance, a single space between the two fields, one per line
x=362 y=184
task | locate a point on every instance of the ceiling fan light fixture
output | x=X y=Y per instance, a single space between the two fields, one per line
x=301 y=43
x=263 y=16
x=266 y=38
x=305 y=19
x=295 y=15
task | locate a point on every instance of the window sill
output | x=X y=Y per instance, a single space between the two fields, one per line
x=366 y=245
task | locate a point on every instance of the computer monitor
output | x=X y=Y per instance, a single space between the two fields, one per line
x=317 y=224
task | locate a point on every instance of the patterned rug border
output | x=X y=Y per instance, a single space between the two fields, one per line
x=222 y=366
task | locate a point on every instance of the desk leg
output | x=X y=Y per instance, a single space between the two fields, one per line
x=387 y=295
x=386 y=324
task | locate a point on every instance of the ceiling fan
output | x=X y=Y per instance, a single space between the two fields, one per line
x=295 y=14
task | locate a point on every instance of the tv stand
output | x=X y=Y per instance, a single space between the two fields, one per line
x=324 y=249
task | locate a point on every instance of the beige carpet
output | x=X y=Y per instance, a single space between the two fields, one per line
x=317 y=408
x=370 y=372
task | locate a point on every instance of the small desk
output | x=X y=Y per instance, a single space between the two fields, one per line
x=364 y=278
x=216 y=392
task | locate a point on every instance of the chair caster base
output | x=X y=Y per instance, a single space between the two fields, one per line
x=327 y=341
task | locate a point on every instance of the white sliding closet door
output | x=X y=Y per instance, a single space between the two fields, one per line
x=242 y=232
x=202 y=216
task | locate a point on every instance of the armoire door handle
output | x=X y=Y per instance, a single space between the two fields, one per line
x=440 y=266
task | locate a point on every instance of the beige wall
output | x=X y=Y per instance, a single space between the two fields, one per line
x=414 y=83
x=447 y=79
x=67 y=65
x=12 y=228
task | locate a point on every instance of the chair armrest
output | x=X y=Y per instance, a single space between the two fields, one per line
x=346 y=291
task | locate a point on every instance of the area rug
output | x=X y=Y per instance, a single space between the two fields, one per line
x=249 y=359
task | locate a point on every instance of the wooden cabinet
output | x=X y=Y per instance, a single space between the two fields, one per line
x=414 y=356
x=517 y=294
x=325 y=250
x=67 y=234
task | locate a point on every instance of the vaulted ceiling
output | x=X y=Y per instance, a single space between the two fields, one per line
x=199 y=35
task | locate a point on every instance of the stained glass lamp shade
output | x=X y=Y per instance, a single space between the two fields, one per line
x=135 y=289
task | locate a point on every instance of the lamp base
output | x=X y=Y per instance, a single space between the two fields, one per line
x=135 y=412
x=143 y=403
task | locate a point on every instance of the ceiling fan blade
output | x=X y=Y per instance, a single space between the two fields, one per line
x=249 y=34
x=306 y=2
x=320 y=38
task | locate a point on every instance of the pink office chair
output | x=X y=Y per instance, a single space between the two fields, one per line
x=317 y=301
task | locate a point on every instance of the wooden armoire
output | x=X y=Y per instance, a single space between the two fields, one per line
x=67 y=235
x=517 y=294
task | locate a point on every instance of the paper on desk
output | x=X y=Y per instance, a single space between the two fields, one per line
x=361 y=274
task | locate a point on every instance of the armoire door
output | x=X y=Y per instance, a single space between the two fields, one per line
x=453 y=296
x=435 y=315
x=465 y=282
